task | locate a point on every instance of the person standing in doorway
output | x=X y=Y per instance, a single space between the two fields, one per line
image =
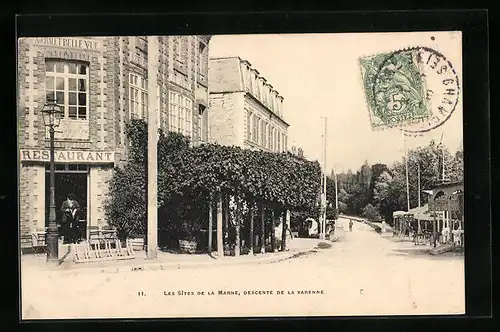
x=70 y=208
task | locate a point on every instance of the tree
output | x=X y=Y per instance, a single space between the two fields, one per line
x=371 y=213
x=456 y=166
x=342 y=207
x=365 y=174
x=330 y=190
x=377 y=170
x=126 y=206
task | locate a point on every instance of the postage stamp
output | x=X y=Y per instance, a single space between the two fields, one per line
x=414 y=89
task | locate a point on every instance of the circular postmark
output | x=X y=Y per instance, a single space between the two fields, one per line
x=415 y=89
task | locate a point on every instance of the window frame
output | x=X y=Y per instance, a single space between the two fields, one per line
x=180 y=114
x=66 y=76
x=249 y=124
x=255 y=128
x=142 y=95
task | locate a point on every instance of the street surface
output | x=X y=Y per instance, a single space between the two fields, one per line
x=362 y=274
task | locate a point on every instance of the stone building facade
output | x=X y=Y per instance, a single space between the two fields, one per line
x=100 y=83
x=245 y=109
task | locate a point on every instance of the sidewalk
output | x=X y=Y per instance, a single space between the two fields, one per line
x=166 y=261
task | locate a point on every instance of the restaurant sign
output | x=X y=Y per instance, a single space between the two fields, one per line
x=69 y=156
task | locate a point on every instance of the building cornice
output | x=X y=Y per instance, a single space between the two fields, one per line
x=271 y=112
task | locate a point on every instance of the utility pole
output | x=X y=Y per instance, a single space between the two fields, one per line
x=321 y=196
x=419 y=190
x=336 y=193
x=324 y=181
x=152 y=212
x=407 y=180
x=442 y=151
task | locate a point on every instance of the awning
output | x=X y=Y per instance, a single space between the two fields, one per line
x=399 y=213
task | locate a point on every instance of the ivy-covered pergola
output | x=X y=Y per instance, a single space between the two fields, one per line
x=235 y=185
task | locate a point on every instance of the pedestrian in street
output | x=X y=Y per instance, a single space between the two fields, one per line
x=70 y=208
x=350 y=225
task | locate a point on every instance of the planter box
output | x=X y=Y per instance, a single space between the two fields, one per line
x=137 y=244
x=187 y=247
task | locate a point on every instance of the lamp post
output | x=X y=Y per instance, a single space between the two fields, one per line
x=52 y=114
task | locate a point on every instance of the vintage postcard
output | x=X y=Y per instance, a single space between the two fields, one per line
x=241 y=175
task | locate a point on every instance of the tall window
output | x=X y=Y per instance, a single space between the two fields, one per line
x=275 y=139
x=180 y=114
x=202 y=64
x=279 y=142
x=255 y=133
x=285 y=146
x=249 y=125
x=201 y=124
x=271 y=139
x=138 y=96
x=265 y=133
x=68 y=83
x=263 y=128
x=173 y=112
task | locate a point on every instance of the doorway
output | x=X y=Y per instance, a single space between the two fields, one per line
x=68 y=179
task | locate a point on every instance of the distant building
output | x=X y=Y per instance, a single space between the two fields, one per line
x=245 y=109
x=100 y=83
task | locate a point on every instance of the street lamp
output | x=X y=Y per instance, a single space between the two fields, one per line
x=52 y=114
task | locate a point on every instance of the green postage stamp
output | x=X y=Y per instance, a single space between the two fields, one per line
x=414 y=88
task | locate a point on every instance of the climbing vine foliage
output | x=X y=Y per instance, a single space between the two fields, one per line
x=280 y=180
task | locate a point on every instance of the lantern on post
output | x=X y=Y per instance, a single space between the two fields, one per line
x=52 y=114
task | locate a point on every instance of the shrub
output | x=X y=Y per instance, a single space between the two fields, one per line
x=126 y=206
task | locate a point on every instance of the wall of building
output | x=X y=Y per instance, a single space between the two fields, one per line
x=225 y=75
x=99 y=188
x=268 y=124
x=32 y=198
x=226 y=118
x=232 y=126
x=110 y=62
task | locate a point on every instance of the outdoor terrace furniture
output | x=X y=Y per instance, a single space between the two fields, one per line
x=38 y=240
x=108 y=249
x=104 y=232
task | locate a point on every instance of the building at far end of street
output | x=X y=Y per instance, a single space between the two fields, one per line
x=100 y=83
x=245 y=109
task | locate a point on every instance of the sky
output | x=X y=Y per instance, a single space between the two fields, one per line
x=319 y=75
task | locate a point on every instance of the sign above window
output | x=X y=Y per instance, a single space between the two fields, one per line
x=67 y=156
x=68 y=42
